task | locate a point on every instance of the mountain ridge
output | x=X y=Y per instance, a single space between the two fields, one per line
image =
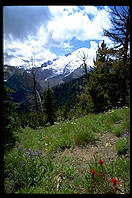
x=51 y=73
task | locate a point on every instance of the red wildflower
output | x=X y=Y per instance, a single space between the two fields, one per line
x=114 y=181
x=100 y=174
x=101 y=162
x=92 y=171
x=46 y=137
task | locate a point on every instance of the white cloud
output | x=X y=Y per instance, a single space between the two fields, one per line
x=90 y=53
x=62 y=10
x=78 y=24
x=90 y=10
x=62 y=23
x=27 y=49
x=67 y=46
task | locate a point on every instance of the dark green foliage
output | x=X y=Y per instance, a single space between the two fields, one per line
x=36 y=119
x=61 y=113
x=11 y=121
x=121 y=77
x=120 y=30
x=24 y=118
x=85 y=104
x=66 y=94
x=122 y=146
x=97 y=90
x=49 y=107
x=108 y=85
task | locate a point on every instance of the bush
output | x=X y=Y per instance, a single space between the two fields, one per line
x=28 y=168
x=118 y=131
x=83 y=137
x=36 y=119
x=105 y=178
x=122 y=146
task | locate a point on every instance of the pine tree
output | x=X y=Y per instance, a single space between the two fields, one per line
x=98 y=91
x=49 y=107
x=103 y=61
x=11 y=121
x=120 y=31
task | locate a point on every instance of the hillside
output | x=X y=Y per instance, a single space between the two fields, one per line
x=66 y=94
x=88 y=155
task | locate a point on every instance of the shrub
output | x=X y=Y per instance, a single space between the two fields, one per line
x=83 y=137
x=122 y=146
x=118 y=131
x=27 y=168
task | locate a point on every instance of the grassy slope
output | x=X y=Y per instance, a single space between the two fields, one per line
x=63 y=177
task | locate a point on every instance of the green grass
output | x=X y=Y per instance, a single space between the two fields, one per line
x=122 y=146
x=42 y=174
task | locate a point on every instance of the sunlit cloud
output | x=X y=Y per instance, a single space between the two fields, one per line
x=33 y=31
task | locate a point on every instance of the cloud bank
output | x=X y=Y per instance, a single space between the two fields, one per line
x=35 y=30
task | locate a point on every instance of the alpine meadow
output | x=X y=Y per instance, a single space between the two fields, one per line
x=66 y=96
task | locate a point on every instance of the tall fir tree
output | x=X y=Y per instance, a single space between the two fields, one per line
x=49 y=106
x=11 y=121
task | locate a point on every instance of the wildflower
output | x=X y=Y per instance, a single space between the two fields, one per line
x=46 y=144
x=39 y=152
x=101 y=162
x=126 y=134
x=108 y=144
x=46 y=137
x=92 y=171
x=20 y=147
x=26 y=155
x=114 y=181
x=34 y=153
x=100 y=174
x=21 y=163
x=30 y=150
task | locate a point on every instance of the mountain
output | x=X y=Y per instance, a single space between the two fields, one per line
x=53 y=72
x=67 y=64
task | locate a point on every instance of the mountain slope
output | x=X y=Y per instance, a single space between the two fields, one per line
x=55 y=72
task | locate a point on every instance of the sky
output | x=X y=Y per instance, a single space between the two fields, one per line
x=48 y=32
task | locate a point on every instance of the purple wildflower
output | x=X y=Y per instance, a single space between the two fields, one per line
x=20 y=147
x=21 y=163
x=39 y=152
x=26 y=155
x=30 y=151
x=126 y=134
x=34 y=153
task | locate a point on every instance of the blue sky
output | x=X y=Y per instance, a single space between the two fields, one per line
x=48 y=32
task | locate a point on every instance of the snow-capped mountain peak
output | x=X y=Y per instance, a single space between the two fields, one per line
x=69 y=62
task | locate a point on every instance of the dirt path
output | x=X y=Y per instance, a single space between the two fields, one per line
x=103 y=148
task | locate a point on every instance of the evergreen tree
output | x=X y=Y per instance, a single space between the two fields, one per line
x=120 y=34
x=120 y=31
x=49 y=107
x=11 y=121
x=98 y=91
x=103 y=62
